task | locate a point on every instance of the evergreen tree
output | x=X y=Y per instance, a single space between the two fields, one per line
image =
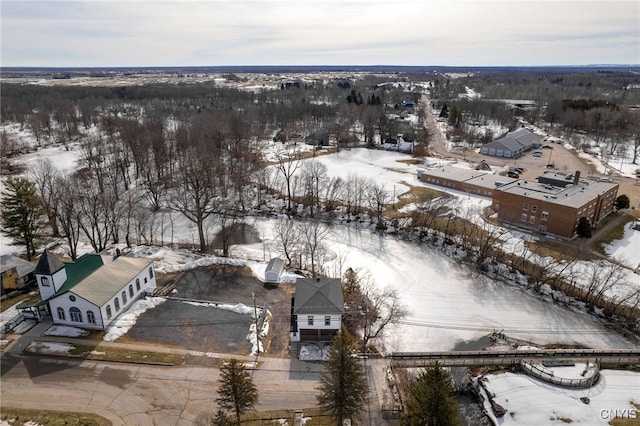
x=343 y=388
x=622 y=202
x=237 y=391
x=430 y=399
x=583 y=229
x=22 y=214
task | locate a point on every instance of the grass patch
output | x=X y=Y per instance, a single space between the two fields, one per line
x=258 y=418
x=613 y=234
x=18 y=417
x=411 y=161
x=10 y=301
x=628 y=422
x=413 y=195
x=559 y=250
x=111 y=354
x=99 y=353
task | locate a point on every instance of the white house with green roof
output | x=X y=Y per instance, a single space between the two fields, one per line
x=92 y=291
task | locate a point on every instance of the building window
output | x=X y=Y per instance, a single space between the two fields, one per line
x=310 y=320
x=532 y=219
x=91 y=318
x=150 y=272
x=534 y=209
x=145 y=280
x=523 y=217
x=72 y=298
x=131 y=291
x=138 y=284
x=525 y=206
x=61 y=314
x=124 y=297
x=116 y=303
x=327 y=320
x=108 y=312
x=75 y=314
x=44 y=281
x=544 y=216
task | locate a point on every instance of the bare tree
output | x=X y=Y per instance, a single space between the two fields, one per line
x=378 y=200
x=287 y=237
x=288 y=159
x=314 y=179
x=372 y=309
x=196 y=194
x=46 y=177
x=602 y=278
x=67 y=213
x=313 y=234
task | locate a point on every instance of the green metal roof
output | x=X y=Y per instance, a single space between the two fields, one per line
x=102 y=277
x=79 y=270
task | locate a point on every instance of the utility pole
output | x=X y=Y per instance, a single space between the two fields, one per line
x=255 y=315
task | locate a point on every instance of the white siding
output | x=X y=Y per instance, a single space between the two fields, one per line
x=318 y=322
x=100 y=313
x=83 y=305
x=55 y=282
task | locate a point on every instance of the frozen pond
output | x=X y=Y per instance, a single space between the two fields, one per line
x=449 y=302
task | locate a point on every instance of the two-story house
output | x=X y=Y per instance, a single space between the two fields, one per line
x=316 y=309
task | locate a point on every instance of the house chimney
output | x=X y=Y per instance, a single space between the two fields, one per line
x=576 y=179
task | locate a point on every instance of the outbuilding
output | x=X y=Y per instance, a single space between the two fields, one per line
x=274 y=270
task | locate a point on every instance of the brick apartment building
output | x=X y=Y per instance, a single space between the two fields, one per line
x=554 y=203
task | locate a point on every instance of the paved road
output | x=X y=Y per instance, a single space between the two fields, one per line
x=139 y=394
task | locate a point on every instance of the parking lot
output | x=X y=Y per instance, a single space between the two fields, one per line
x=211 y=329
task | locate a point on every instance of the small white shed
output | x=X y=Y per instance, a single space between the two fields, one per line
x=274 y=270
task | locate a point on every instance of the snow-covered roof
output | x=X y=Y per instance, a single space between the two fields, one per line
x=23 y=267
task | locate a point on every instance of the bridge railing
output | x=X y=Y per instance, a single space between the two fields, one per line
x=548 y=376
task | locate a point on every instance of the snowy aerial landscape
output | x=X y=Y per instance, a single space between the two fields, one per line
x=447 y=301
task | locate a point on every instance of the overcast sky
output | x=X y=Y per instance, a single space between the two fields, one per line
x=111 y=33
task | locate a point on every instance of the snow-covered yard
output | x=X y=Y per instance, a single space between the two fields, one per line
x=448 y=302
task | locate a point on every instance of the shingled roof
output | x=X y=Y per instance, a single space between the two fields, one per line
x=48 y=264
x=318 y=296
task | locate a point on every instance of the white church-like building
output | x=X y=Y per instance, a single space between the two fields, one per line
x=92 y=291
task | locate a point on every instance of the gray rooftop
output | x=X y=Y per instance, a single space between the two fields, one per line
x=318 y=296
x=480 y=178
x=516 y=140
x=48 y=264
x=23 y=267
x=574 y=195
x=108 y=279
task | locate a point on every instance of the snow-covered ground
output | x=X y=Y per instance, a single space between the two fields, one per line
x=627 y=248
x=447 y=302
x=529 y=401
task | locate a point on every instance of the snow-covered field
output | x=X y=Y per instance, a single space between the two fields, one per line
x=529 y=401
x=448 y=302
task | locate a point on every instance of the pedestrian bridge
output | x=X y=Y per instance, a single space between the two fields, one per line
x=619 y=357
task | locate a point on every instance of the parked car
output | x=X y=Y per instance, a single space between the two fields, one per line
x=537 y=154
